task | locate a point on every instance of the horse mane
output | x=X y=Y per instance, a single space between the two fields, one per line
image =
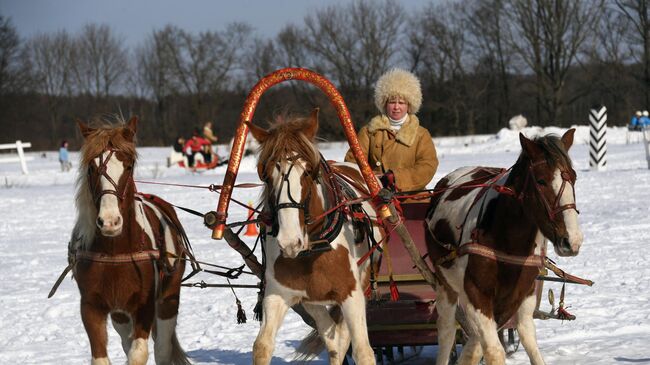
x=286 y=138
x=554 y=152
x=107 y=134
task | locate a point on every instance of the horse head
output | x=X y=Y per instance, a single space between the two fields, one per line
x=108 y=155
x=288 y=164
x=549 y=186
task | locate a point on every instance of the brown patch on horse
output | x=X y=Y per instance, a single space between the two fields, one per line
x=324 y=277
x=442 y=233
x=443 y=183
x=498 y=288
x=478 y=176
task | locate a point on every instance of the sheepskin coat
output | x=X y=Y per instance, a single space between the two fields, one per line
x=409 y=152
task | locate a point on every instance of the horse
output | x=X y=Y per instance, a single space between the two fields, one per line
x=127 y=251
x=482 y=231
x=299 y=189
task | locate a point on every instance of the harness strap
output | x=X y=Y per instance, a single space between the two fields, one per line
x=490 y=253
x=118 y=259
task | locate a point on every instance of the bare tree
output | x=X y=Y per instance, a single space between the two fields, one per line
x=446 y=63
x=354 y=45
x=101 y=61
x=202 y=63
x=50 y=57
x=487 y=26
x=548 y=36
x=13 y=70
x=260 y=59
x=637 y=14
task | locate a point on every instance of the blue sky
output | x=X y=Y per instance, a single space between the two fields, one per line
x=136 y=19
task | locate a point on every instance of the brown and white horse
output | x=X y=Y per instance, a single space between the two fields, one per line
x=298 y=189
x=482 y=234
x=126 y=249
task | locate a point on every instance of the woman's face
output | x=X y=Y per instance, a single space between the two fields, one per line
x=396 y=108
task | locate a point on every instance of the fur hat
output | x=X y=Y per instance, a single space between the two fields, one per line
x=398 y=82
x=645 y=113
x=638 y=113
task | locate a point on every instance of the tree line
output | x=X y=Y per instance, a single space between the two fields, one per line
x=480 y=63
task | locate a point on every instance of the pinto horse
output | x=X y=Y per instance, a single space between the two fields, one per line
x=482 y=233
x=301 y=195
x=126 y=252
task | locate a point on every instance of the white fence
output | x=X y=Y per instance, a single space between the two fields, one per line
x=19 y=147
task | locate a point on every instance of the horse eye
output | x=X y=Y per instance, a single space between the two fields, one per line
x=541 y=182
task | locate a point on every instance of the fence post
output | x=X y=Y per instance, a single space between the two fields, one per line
x=21 y=156
x=597 y=138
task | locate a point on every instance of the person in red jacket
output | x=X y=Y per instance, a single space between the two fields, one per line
x=193 y=146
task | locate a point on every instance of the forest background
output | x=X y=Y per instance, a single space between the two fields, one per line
x=480 y=63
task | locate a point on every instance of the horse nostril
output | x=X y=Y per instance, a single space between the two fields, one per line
x=118 y=221
x=100 y=222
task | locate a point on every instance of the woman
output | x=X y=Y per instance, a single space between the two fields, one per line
x=394 y=141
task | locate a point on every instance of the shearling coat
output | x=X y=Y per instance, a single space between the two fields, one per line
x=409 y=153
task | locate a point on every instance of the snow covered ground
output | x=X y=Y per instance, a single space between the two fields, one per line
x=37 y=213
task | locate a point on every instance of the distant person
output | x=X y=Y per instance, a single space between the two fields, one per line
x=178 y=145
x=177 y=154
x=644 y=121
x=194 y=146
x=634 y=122
x=206 y=151
x=208 y=134
x=64 y=157
x=394 y=142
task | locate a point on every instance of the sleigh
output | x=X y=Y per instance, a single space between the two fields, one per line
x=179 y=159
x=402 y=304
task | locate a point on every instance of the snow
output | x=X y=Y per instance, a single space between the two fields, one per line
x=37 y=213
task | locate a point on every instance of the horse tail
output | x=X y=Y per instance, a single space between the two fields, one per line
x=309 y=347
x=312 y=345
x=179 y=357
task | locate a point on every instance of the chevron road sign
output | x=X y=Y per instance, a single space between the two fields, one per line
x=597 y=138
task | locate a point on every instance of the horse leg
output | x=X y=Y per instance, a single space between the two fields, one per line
x=328 y=330
x=354 y=313
x=94 y=320
x=486 y=330
x=446 y=304
x=274 y=308
x=526 y=329
x=122 y=324
x=167 y=349
x=142 y=322
x=471 y=353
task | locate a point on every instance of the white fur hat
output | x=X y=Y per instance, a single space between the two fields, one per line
x=638 y=113
x=645 y=113
x=398 y=82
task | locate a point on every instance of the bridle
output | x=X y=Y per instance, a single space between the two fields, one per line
x=102 y=170
x=275 y=205
x=552 y=209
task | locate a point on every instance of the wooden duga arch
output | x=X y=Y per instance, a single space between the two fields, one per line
x=288 y=74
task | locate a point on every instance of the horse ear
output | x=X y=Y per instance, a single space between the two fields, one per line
x=259 y=133
x=531 y=149
x=311 y=130
x=131 y=128
x=85 y=130
x=567 y=138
